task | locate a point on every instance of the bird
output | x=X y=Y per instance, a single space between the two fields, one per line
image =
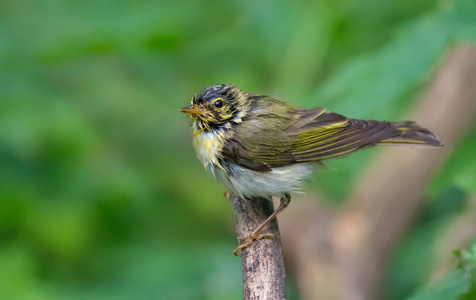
x=258 y=146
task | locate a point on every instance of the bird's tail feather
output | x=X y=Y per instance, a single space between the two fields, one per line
x=411 y=133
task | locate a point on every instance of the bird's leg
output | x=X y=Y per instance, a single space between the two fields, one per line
x=256 y=234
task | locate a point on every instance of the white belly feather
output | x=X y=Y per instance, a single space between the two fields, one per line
x=245 y=182
x=249 y=183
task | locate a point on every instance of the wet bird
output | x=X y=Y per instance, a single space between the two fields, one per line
x=258 y=146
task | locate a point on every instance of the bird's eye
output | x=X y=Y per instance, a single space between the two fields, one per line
x=218 y=103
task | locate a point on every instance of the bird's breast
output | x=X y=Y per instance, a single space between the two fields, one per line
x=240 y=180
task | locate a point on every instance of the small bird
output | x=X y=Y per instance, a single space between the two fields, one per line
x=258 y=146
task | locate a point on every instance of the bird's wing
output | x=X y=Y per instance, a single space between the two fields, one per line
x=283 y=137
x=310 y=135
x=261 y=141
x=332 y=135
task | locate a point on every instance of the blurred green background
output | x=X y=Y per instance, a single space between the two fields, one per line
x=101 y=196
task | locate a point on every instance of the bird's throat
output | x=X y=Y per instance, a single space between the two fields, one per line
x=208 y=145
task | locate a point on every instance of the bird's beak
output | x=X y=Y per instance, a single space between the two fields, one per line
x=193 y=110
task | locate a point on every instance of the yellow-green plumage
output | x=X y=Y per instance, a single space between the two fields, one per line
x=259 y=146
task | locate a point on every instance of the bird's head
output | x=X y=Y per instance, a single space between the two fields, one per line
x=217 y=106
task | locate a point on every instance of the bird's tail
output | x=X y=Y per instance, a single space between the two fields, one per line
x=410 y=133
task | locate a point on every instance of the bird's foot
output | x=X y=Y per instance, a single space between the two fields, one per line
x=247 y=241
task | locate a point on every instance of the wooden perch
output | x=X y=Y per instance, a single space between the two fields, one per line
x=349 y=260
x=262 y=262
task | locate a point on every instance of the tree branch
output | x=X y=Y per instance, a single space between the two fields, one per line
x=262 y=262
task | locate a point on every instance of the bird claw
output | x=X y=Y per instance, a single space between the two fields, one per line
x=247 y=241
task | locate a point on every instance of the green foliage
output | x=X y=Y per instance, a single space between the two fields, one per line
x=451 y=287
x=457 y=285
x=101 y=196
x=415 y=257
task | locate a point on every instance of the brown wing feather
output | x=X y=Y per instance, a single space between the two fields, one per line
x=313 y=135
